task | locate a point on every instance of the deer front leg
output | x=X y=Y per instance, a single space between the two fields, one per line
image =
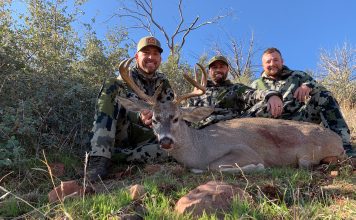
x=235 y=161
x=245 y=169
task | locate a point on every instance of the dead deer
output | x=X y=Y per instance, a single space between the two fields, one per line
x=233 y=145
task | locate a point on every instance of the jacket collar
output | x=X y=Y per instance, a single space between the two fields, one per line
x=142 y=76
x=225 y=83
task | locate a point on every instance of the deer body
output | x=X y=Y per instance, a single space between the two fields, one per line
x=246 y=141
x=236 y=143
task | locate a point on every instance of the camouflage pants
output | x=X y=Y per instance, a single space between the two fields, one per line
x=320 y=108
x=117 y=133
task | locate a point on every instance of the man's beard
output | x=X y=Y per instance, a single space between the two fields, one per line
x=220 y=78
x=274 y=72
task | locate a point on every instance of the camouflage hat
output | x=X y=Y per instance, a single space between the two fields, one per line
x=149 y=41
x=218 y=58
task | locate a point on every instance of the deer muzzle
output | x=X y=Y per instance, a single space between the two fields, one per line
x=166 y=143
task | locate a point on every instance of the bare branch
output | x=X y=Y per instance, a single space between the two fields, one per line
x=143 y=15
x=181 y=19
x=149 y=11
x=247 y=65
x=236 y=58
x=187 y=31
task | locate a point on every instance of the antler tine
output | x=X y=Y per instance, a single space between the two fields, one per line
x=203 y=80
x=124 y=72
x=204 y=77
x=158 y=91
x=201 y=88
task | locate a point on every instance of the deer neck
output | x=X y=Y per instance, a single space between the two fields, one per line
x=186 y=147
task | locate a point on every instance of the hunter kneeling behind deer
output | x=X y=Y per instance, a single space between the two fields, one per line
x=231 y=145
x=121 y=133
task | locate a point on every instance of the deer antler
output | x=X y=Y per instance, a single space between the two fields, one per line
x=201 y=88
x=124 y=72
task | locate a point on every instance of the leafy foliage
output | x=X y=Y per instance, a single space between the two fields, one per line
x=174 y=72
x=50 y=82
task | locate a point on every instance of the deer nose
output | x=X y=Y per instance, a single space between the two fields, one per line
x=166 y=143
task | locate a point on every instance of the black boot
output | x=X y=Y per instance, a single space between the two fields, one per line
x=97 y=168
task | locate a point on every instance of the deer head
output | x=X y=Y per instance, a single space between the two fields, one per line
x=167 y=116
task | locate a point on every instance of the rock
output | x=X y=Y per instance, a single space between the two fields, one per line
x=66 y=189
x=334 y=173
x=211 y=197
x=137 y=191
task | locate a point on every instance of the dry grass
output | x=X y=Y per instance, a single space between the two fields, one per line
x=350 y=117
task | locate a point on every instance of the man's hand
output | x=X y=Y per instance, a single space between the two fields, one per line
x=302 y=93
x=146 y=117
x=275 y=106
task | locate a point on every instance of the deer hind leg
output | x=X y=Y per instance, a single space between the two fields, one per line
x=307 y=162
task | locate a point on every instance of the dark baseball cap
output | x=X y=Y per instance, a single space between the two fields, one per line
x=218 y=58
x=149 y=41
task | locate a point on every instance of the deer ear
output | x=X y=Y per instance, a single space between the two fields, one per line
x=130 y=105
x=196 y=114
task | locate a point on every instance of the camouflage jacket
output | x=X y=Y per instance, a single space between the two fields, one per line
x=114 y=87
x=286 y=84
x=228 y=100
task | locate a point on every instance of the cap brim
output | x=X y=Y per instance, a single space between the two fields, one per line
x=160 y=49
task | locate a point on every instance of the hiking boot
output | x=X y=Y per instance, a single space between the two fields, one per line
x=97 y=168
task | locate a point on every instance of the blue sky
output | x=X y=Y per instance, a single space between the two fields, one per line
x=300 y=29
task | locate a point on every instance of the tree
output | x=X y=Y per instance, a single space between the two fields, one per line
x=51 y=42
x=12 y=57
x=47 y=104
x=338 y=72
x=174 y=72
x=142 y=14
x=240 y=60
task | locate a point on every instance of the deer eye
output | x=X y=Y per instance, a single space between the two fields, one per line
x=175 y=120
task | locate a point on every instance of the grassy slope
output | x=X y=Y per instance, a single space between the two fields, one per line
x=281 y=193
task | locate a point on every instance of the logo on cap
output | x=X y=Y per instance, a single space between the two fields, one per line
x=151 y=40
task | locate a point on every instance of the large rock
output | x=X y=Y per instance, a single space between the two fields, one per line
x=212 y=197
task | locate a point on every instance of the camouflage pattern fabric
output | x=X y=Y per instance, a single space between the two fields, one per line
x=229 y=101
x=321 y=107
x=119 y=131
